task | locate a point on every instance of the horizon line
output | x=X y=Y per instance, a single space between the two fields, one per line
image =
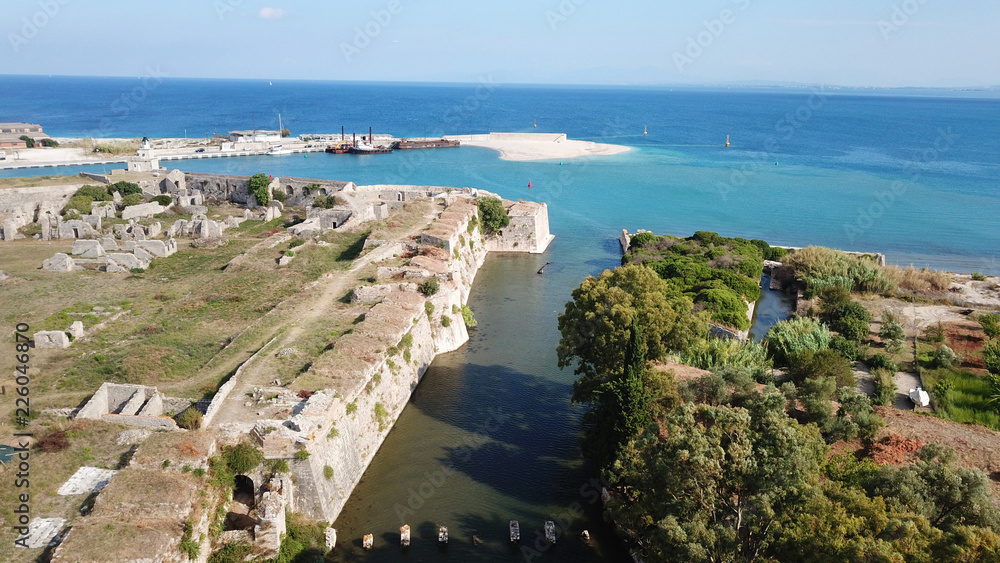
x=734 y=84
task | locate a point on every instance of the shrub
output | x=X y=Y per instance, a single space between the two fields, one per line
x=52 y=442
x=851 y=328
x=881 y=361
x=296 y=242
x=430 y=287
x=191 y=419
x=242 y=458
x=124 y=188
x=28 y=141
x=809 y=364
x=258 y=186
x=352 y=407
x=279 y=195
x=640 y=240
x=944 y=357
x=990 y=324
x=429 y=308
x=494 y=215
x=324 y=201
x=131 y=199
x=849 y=349
x=891 y=333
x=327 y=472
x=885 y=388
x=467 y=316
x=163 y=200
x=912 y=279
x=95 y=193
x=79 y=202
x=991 y=357
x=792 y=336
x=976 y=276
x=47 y=142
x=302 y=455
x=445 y=321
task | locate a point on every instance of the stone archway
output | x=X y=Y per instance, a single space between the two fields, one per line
x=244 y=498
x=244 y=492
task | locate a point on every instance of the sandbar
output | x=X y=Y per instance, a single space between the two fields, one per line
x=538 y=146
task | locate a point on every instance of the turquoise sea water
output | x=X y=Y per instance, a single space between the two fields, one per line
x=913 y=177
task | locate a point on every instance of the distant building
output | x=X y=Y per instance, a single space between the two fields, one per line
x=10 y=134
x=256 y=136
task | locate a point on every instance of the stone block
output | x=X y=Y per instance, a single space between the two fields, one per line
x=87 y=248
x=51 y=339
x=142 y=210
x=141 y=254
x=76 y=329
x=59 y=263
x=158 y=248
x=109 y=244
x=331 y=538
x=127 y=261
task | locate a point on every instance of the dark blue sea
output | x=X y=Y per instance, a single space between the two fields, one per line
x=913 y=174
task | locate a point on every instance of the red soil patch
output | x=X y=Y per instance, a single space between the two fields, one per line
x=895 y=450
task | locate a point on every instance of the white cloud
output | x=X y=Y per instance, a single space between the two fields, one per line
x=271 y=13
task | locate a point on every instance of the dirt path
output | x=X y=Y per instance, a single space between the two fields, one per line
x=308 y=307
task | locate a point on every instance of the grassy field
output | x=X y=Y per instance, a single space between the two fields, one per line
x=43 y=181
x=183 y=324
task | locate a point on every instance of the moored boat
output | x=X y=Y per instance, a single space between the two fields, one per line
x=408 y=144
x=278 y=149
x=443 y=535
x=550 y=531
x=404 y=535
x=515 y=531
x=368 y=541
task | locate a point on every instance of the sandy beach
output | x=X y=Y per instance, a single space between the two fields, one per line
x=538 y=146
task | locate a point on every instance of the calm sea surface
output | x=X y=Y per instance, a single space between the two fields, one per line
x=490 y=434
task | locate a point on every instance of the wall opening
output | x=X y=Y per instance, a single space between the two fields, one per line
x=289 y=190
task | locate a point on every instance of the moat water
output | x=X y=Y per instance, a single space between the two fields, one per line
x=490 y=434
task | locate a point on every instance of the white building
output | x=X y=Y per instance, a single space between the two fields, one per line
x=255 y=136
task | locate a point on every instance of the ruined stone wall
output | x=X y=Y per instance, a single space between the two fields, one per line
x=27 y=200
x=389 y=382
x=528 y=230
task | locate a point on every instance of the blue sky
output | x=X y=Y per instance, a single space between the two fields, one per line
x=884 y=43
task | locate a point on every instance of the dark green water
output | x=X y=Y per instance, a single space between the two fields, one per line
x=489 y=436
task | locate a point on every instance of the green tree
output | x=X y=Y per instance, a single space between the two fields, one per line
x=622 y=408
x=47 y=142
x=821 y=364
x=28 y=141
x=494 y=215
x=891 y=333
x=285 y=132
x=595 y=325
x=258 y=186
x=716 y=482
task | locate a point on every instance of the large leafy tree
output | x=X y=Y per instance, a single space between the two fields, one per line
x=714 y=483
x=493 y=213
x=595 y=326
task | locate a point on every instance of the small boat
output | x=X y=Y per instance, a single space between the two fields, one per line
x=585 y=535
x=404 y=535
x=278 y=149
x=443 y=535
x=340 y=147
x=550 y=531
x=515 y=531
x=368 y=541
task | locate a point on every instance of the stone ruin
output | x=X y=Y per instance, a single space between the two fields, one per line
x=132 y=405
x=108 y=255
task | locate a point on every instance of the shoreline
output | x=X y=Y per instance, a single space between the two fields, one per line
x=518 y=147
x=526 y=147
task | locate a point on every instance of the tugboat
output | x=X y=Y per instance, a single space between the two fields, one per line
x=515 y=531
x=368 y=147
x=550 y=531
x=404 y=536
x=443 y=535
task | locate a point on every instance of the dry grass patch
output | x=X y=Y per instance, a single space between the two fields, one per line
x=920 y=281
